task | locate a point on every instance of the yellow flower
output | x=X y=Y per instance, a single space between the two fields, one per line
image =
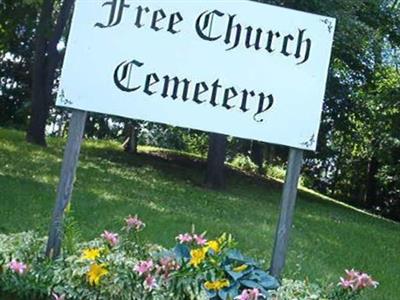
x=217 y=285
x=91 y=254
x=197 y=256
x=214 y=245
x=95 y=273
x=209 y=285
x=240 y=268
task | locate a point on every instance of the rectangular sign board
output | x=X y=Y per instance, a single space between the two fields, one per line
x=236 y=67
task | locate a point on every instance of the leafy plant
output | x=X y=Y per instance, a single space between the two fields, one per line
x=299 y=290
x=72 y=234
x=221 y=269
x=244 y=163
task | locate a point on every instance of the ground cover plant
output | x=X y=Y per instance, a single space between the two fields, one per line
x=166 y=190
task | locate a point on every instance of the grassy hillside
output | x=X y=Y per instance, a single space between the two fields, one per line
x=167 y=193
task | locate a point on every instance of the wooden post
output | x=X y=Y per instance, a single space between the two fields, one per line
x=65 y=186
x=287 y=210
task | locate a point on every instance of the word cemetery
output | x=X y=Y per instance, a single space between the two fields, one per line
x=184 y=90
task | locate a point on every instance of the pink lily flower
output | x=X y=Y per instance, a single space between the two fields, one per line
x=134 y=223
x=184 y=238
x=166 y=266
x=150 y=283
x=111 y=238
x=346 y=284
x=365 y=281
x=356 y=280
x=58 y=297
x=250 y=294
x=144 y=267
x=352 y=274
x=200 y=240
x=17 y=267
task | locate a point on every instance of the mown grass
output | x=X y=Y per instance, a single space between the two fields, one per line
x=167 y=192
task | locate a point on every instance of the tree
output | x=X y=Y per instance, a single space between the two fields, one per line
x=46 y=60
x=132 y=137
x=215 y=175
x=257 y=155
x=17 y=24
x=349 y=162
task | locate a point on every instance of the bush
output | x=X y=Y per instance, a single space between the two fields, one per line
x=279 y=172
x=244 y=163
x=276 y=172
x=296 y=289
x=349 y=288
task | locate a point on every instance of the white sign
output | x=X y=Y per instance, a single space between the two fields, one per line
x=236 y=67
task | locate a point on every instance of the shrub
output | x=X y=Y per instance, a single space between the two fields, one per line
x=277 y=172
x=300 y=290
x=244 y=163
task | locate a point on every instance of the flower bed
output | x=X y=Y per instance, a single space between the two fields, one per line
x=120 y=266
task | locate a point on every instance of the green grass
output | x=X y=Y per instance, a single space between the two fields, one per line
x=166 y=191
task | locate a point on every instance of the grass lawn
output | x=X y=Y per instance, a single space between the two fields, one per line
x=166 y=192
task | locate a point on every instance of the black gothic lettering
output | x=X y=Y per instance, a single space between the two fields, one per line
x=261 y=108
x=214 y=93
x=204 y=25
x=286 y=44
x=236 y=34
x=139 y=15
x=257 y=42
x=157 y=18
x=201 y=93
x=230 y=93
x=229 y=31
x=117 y=8
x=151 y=79
x=245 y=95
x=124 y=75
x=176 y=83
x=300 y=43
x=270 y=41
x=220 y=27
x=173 y=22
x=200 y=88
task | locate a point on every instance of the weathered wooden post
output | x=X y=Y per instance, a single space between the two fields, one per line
x=65 y=186
x=285 y=222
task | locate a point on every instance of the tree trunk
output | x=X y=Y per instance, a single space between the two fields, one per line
x=270 y=155
x=257 y=155
x=131 y=143
x=46 y=60
x=215 y=176
x=103 y=130
x=39 y=108
x=372 y=184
